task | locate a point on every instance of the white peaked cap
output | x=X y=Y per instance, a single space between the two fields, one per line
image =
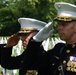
x=31 y=23
x=66 y=11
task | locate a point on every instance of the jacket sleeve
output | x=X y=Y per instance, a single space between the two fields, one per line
x=0 y=51
x=32 y=53
x=8 y=61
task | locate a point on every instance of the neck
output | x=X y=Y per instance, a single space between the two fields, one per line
x=72 y=41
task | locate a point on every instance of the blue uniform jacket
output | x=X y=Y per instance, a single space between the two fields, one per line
x=35 y=61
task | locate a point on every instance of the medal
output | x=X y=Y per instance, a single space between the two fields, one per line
x=75 y=64
x=68 y=68
x=69 y=63
x=72 y=69
x=72 y=64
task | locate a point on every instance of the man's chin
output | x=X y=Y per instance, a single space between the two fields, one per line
x=62 y=38
x=24 y=48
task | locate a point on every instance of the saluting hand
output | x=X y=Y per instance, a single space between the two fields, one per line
x=13 y=40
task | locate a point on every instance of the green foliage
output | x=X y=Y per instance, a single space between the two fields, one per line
x=11 y=10
x=8 y=21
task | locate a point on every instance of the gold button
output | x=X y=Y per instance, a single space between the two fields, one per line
x=67 y=51
x=53 y=64
x=73 y=45
x=64 y=62
x=22 y=61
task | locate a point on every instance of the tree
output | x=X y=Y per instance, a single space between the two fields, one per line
x=11 y=10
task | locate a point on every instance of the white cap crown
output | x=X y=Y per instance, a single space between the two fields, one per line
x=29 y=24
x=66 y=11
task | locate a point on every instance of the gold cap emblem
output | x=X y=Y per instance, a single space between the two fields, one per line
x=59 y=6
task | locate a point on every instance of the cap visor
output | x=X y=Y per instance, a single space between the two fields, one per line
x=23 y=33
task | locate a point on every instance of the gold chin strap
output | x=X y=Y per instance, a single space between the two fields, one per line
x=27 y=29
x=65 y=18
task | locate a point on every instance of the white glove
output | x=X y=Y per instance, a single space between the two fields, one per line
x=44 y=33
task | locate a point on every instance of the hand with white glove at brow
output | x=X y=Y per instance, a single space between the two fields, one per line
x=44 y=33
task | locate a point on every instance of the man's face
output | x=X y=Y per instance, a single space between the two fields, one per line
x=25 y=40
x=66 y=30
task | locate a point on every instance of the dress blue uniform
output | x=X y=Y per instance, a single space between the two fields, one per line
x=33 y=58
x=0 y=51
x=36 y=61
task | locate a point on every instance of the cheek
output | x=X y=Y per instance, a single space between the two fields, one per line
x=70 y=29
x=70 y=32
x=75 y=28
